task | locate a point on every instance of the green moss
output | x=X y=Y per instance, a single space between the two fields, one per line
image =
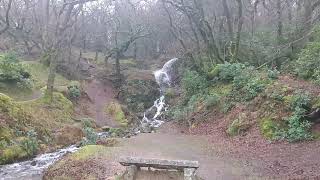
x=46 y=116
x=220 y=89
x=268 y=128
x=5 y=134
x=11 y=154
x=170 y=93
x=89 y=151
x=13 y=110
x=115 y=110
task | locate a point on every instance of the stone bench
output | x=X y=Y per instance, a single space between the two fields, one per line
x=134 y=164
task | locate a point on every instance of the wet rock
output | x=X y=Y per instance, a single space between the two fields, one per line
x=151 y=112
x=139 y=95
x=33 y=163
x=146 y=128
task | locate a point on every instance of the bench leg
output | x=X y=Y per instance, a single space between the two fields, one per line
x=131 y=172
x=189 y=173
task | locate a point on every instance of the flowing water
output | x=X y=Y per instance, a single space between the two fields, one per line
x=164 y=77
x=33 y=169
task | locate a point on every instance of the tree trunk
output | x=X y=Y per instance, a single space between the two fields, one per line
x=279 y=23
x=118 y=70
x=51 y=77
x=229 y=20
x=135 y=51
x=240 y=23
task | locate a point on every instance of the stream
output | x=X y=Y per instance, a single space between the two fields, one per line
x=153 y=118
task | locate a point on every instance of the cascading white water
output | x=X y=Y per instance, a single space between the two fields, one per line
x=33 y=169
x=164 y=79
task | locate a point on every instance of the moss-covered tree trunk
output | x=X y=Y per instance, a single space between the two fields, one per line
x=51 y=77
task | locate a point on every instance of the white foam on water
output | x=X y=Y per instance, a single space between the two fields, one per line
x=164 y=79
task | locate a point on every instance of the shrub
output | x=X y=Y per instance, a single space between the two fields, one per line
x=308 y=61
x=298 y=100
x=298 y=127
x=273 y=74
x=11 y=71
x=91 y=137
x=30 y=144
x=227 y=72
x=211 y=100
x=74 y=91
x=193 y=83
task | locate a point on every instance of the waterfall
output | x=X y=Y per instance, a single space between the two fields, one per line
x=153 y=116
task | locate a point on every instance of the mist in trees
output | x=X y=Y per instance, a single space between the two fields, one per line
x=204 y=32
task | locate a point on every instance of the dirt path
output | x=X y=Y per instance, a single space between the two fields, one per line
x=100 y=95
x=173 y=146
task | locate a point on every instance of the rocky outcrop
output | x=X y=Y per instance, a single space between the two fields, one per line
x=139 y=94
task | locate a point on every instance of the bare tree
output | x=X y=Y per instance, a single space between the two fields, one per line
x=5 y=21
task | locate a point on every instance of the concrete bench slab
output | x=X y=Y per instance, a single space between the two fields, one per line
x=133 y=164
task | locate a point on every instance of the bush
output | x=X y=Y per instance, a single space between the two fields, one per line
x=91 y=137
x=74 y=91
x=227 y=72
x=308 y=61
x=11 y=71
x=193 y=83
x=30 y=144
x=298 y=100
x=298 y=127
x=273 y=74
x=211 y=100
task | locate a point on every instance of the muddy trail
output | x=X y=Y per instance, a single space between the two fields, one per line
x=97 y=97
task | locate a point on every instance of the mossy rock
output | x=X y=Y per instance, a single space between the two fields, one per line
x=139 y=92
x=115 y=110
